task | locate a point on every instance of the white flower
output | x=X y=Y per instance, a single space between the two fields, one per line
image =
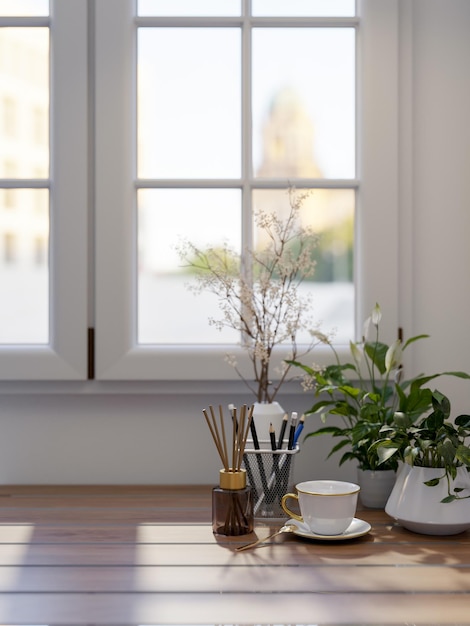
x=322 y=338
x=231 y=360
x=356 y=352
x=393 y=356
x=376 y=315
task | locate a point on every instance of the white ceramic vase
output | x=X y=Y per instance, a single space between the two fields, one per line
x=418 y=507
x=264 y=414
x=376 y=487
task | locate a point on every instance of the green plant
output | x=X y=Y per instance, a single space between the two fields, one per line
x=431 y=441
x=365 y=394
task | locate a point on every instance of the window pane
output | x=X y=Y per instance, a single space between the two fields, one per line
x=24 y=244
x=23 y=8
x=330 y=212
x=168 y=312
x=308 y=8
x=189 y=103
x=24 y=102
x=304 y=102
x=189 y=7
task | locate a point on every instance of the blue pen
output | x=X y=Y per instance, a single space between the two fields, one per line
x=298 y=430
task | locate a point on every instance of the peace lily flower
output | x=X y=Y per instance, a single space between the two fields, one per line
x=393 y=356
x=376 y=315
x=356 y=352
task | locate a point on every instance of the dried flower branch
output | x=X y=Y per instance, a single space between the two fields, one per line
x=258 y=294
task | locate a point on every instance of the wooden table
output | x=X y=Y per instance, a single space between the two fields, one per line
x=147 y=555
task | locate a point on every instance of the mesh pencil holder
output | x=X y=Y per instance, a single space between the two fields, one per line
x=270 y=474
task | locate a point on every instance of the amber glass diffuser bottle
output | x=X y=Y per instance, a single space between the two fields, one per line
x=232 y=504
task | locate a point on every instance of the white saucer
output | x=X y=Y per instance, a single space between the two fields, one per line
x=357 y=528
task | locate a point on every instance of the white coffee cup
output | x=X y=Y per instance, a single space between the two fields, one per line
x=327 y=507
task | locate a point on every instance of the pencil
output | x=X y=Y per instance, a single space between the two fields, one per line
x=293 y=424
x=272 y=436
x=254 y=435
x=283 y=431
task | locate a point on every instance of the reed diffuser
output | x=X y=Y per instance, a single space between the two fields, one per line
x=232 y=499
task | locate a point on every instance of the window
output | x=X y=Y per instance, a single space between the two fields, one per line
x=196 y=129
x=223 y=109
x=141 y=121
x=44 y=189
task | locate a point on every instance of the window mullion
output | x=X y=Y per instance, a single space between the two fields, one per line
x=247 y=151
x=247 y=159
x=69 y=187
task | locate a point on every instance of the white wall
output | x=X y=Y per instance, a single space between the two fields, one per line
x=441 y=190
x=123 y=439
x=160 y=437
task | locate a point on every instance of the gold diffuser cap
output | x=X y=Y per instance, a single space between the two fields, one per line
x=232 y=480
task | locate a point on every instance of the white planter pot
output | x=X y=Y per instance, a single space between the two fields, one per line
x=418 y=507
x=376 y=487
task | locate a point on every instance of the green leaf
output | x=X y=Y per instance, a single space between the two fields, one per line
x=327 y=430
x=338 y=446
x=376 y=351
x=349 y=456
x=417 y=402
x=385 y=452
x=447 y=452
x=433 y=422
x=350 y=391
x=462 y=454
x=441 y=402
x=305 y=368
x=316 y=408
x=345 y=409
x=448 y=499
x=420 y=381
x=415 y=338
x=463 y=421
x=432 y=483
x=402 y=420
x=457 y=374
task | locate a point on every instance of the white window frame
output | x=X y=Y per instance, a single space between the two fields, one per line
x=376 y=251
x=65 y=357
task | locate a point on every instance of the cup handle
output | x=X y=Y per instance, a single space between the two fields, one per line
x=284 y=498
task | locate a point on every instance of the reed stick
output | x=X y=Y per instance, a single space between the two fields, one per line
x=216 y=441
x=234 y=435
x=224 y=439
x=240 y=430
